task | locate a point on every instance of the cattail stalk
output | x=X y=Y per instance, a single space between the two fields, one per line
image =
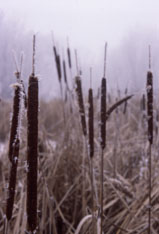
x=125 y=104
x=81 y=104
x=103 y=135
x=150 y=136
x=32 y=152
x=69 y=55
x=12 y=179
x=103 y=141
x=143 y=103
x=91 y=148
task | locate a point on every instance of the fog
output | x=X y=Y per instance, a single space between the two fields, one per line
x=129 y=27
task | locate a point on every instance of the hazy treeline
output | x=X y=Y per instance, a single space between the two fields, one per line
x=126 y=66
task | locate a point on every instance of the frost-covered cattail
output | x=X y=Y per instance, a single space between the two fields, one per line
x=12 y=179
x=24 y=94
x=143 y=103
x=81 y=104
x=103 y=113
x=57 y=62
x=150 y=105
x=58 y=65
x=69 y=56
x=32 y=152
x=149 y=88
x=32 y=147
x=91 y=123
x=64 y=72
x=103 y=136
x=125 y=104
x=15 y=118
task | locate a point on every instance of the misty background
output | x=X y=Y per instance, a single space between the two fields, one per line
x=128 y=27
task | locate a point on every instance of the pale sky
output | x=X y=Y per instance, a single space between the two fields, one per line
x=87 y=22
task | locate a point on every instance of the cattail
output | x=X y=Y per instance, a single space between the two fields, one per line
x=15 y=119
x=149 y=87
x=64 y=72
x=91 y=123
x=32 y=152
x=103 y=137
x=24 y=94
x=150 y=105
x=143 y=103
x=125 y=104
x=55 y=52
x=69 y=56
x=12 y=179
x=81 y=104
x=58 y=64
x=103 y=113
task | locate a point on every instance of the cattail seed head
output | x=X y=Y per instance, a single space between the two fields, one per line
x=12 y=179
x=91 y=123
x=32 y=152
x=58 y=65
x=103 y=113
x=64 y=72
x=69 y=57
x=150 y=105
x=15 y=118
x=81 y=104
x=143 y=103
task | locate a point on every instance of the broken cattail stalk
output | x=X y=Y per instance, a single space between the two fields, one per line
x=32 y=152
x=12 y=179
x=116 y=104
x=81 y=104
x=15 y=119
